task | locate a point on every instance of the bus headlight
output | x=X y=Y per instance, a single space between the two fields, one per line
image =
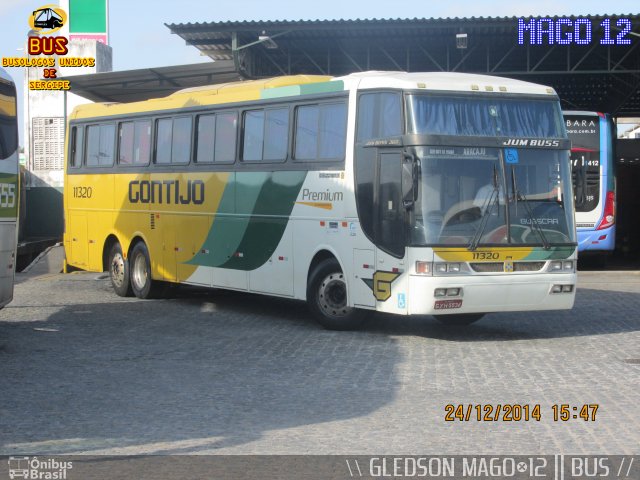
x=453 y=268
x=562 y=266
x=441 y=268
x=555 y=266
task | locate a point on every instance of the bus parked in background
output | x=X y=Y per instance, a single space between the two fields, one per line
x=9 y=182
x=408 y=193
x=592 y=138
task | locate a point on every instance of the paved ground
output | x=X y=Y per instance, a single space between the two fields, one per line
x=84 y=371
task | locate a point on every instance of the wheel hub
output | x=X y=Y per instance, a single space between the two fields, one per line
x=332 y=295
x=139 y=272
x=117 y=270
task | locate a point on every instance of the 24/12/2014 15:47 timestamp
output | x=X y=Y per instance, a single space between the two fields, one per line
x=514 y=412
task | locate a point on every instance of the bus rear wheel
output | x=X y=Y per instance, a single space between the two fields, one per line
x=119 y=271
x=459 y=319
x=142 y=284
x=327 y=298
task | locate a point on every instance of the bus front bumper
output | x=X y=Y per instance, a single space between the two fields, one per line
x=491 y=293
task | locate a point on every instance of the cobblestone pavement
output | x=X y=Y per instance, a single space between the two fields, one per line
x=85 y=371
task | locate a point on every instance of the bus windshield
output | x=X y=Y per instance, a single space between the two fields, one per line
x=473 y=196
x=460 y=186
x=469 y=115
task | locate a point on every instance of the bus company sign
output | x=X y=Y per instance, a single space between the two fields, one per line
x=167 y=192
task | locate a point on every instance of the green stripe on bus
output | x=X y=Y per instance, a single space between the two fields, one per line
x=305 y=89
x=263 y=204
x=554 y=253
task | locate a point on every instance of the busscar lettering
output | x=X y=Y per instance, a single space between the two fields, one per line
x=166 y=192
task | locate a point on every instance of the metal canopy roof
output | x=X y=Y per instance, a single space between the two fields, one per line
x=589 y=77
x=145 y=83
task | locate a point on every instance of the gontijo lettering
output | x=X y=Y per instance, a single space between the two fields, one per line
x=167 y=192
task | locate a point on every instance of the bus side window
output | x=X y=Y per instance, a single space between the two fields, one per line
x=163 y=140
x=205 y=131
x=77 y=134
x=266 y=134
x=321 y=132
x=253 y=135
x=216 y=138
x=125 y=143
x=142 y=142
x=225 y=143
x=100 y=145
x=379 y=115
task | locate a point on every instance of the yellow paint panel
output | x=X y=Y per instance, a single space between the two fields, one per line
x=497 y=254
x=173 y=231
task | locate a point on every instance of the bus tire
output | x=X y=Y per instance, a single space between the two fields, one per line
x=459 y=319
x=142 y=284
x=119 y=271
x=327 y=298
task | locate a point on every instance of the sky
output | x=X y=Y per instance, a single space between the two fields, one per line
x=140 y=39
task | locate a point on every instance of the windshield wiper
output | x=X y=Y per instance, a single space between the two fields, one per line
x=487 y=209
x=519 y=196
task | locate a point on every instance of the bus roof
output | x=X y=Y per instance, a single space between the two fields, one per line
x=447 y=81
x=294 y=85
x=206 y=95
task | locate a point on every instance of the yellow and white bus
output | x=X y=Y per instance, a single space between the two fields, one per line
x=9 y=181
x=409 y=193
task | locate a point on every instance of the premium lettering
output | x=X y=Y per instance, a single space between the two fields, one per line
x=326 y=196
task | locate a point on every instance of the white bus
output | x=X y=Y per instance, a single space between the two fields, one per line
x=408 y=193
x=9 y=181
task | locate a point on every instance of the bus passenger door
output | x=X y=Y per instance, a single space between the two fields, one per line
x=389 y=288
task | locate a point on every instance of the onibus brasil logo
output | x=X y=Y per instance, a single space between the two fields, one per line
x=34 y=468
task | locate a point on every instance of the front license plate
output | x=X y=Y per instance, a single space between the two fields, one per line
x=445 y=304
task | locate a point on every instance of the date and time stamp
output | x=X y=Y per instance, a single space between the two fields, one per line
x=515 y=412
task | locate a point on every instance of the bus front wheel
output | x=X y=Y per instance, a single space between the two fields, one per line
x=459 y=319
x=142 y=284
x=327 y=298
x=119 y=271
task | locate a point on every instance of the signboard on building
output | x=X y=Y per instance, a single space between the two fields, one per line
x=88 y=20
